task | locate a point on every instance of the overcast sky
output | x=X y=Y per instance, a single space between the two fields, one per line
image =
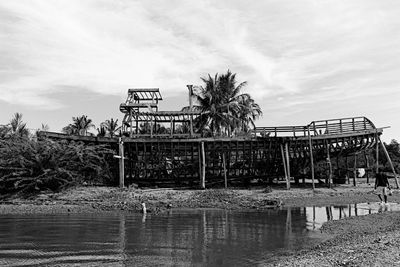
x=303 y=60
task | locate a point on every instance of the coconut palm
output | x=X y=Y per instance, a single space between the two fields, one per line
x=223 y=108
x=248 y=112
x=45 y=127
x=17 y=127
x=80 y=126
x=111 y=127
x=101 y=131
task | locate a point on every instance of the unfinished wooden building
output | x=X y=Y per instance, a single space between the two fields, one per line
x=160 y=148
x=267 y=154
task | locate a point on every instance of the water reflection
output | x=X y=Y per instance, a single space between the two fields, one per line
x=177 y=238
x=316 y=216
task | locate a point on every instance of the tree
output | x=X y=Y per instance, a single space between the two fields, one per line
x=223 y=108
x=16 y=128
x=80 y=126
x=111 y=127
x=101 y=131
x=249 y=111
x=45 y=127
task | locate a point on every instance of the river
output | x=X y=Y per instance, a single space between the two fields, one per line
x=175 y=238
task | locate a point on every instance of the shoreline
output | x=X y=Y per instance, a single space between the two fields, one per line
x=353 y=241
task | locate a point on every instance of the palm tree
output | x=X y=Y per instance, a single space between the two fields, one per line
x=17 y=127
x=111 y=127
x=101 y=131
x=249 y=111
x=45 y=127
x=223 y=108
x=80 y=126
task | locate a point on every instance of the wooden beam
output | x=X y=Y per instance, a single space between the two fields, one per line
x=328 y=159
x=355 y=170
x=311 y=158
x=377 y=152
x=366 y=158
x=121 y=163
x=203 y=167
x=224 y=166
x=287 y=166
x=190 y=87
x=390 y=162
x=284 y=165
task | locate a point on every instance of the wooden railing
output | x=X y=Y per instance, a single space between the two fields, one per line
x=322 y=127
x=339 y=126
x=281 y=131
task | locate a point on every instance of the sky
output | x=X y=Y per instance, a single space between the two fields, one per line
x=303 y=60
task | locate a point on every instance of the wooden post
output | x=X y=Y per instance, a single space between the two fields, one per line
x=151 y=127
x=203 y=167
x=131 y=121
x=355 y=169
x=137 y=124
x=377 y=152
x=224 y=166
x=328 y=159
x=287 y=166
x=171 y=132
x=121 y=163
x=347 y=170
x=311 y=159
x=367 y=166
x=190 y=87
x=284 y=163
x=200 y=161
x=337 y=167
x=390 y=162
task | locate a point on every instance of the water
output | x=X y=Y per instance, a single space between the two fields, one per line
x=177 y=238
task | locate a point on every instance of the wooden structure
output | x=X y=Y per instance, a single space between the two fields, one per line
x=270 y=153
x=142 y=119
x=172 y=157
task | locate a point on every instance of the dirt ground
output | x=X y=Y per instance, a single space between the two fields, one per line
x=371 y=240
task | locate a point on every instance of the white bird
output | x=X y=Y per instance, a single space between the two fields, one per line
x=144 y=210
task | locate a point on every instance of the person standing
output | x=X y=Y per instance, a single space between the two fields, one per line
x=382 y=186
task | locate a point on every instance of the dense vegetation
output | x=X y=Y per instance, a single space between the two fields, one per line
x=29 y=164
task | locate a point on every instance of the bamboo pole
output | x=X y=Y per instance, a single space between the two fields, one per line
x=190 y=87
x=311 y=159
x=347 y=170
x=224 y=166
x=328 y=159
x=200 y=161
x=355 y=169
x=287 y=166
x=377 y=153
x=121 y=163
x=367 y=165
x=203 y=167
x=390 y=162
x=284 y=163
x=130 y=126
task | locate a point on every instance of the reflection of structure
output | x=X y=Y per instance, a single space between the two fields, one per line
x=316 y=216
x=143 y=119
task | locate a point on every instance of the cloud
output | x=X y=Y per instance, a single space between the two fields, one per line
x=301 y=52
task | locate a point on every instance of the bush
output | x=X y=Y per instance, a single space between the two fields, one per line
x=28 y=166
